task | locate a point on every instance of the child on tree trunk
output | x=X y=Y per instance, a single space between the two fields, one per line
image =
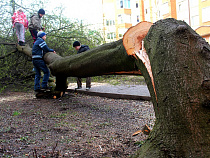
x=20 y=22
x=39 y=49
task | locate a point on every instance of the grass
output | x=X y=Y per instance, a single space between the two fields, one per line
x=16 y=113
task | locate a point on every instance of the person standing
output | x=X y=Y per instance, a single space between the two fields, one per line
x=35 y=24
x=20 y=22
x=39 y=49
x=82 y=48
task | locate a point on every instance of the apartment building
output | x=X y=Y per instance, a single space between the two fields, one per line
x=119 y=15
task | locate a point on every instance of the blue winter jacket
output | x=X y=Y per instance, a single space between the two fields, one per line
x=40 y=48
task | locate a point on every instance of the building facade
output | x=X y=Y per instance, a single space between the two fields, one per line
x=120 y=15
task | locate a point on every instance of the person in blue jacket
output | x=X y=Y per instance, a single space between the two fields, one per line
x=39 y=49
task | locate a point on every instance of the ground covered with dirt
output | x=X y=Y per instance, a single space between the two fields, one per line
x=73 y=126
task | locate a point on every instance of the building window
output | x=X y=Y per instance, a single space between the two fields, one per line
x=137 y=5
x=195 y=20
x=194 y=3
x=124 y=4
x=180 y=7
x=107 y=22
x=127 y=4
x=120 y=19
x=127 y=18
x=165 y=8
x=111 y=35
x=137 y=18
x=121 y=3
x=205 y=14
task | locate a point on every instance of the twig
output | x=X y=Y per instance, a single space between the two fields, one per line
x=53 y=151
x=4 y=43
x=2 y=57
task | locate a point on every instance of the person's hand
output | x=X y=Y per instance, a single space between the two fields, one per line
x=54 y=52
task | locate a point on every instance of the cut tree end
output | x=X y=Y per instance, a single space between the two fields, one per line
x=132 y=39
x=133 y=43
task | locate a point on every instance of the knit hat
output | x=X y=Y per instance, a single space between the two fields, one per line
x=41 y=34
x=76 y=43
x=20 y=10
x=41 y=11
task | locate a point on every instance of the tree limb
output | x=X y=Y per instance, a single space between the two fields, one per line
x=2 y=57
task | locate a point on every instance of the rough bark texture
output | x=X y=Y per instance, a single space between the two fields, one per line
x=180 y=63
x=105 y=59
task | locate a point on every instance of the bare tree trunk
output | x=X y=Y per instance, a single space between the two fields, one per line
x=105 y=59
x=180 y=63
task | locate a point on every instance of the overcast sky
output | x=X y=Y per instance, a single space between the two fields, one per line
x=89 y=10
x=86 y=10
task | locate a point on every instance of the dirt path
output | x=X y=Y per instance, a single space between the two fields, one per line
x=74 y=126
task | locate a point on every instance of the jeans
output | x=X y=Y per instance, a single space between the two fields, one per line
x=38 y=66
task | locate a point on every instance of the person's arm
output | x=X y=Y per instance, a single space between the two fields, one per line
x=13 y=18
x=45 y=48
x=25 y=21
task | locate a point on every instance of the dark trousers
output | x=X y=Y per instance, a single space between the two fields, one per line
x=88 y=82
x=34 y=35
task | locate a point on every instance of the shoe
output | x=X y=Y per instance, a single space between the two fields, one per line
x=37 y=90
x=78 y=88
x=46 y=88
x=21 y=43
x=87 y=88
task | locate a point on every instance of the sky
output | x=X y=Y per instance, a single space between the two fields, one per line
x=87 y=10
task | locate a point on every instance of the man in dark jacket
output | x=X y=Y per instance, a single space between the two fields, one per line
x=35 y=23
x=39 y=49
x=82 y=48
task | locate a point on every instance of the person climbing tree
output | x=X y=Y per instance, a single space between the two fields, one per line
x=35 y=24
x=20 y=22
x=39 y=49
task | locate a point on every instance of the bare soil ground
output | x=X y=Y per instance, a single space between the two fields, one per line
x=73 y=126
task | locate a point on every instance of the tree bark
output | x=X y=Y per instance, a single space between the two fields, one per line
x=105 y=59
x=180 y=64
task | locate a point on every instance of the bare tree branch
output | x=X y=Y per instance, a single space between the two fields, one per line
x=14 y=51
x=4 y=43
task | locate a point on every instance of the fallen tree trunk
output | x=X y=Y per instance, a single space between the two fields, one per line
x=104 y=60
x=178 y=61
